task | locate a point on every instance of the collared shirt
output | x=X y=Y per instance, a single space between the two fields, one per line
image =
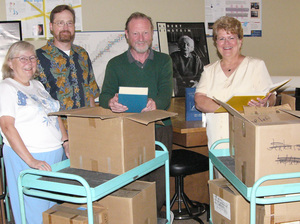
x=141 y=65
x=69 y=79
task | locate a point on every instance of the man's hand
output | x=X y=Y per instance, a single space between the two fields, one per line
x=151 y=105
x=115 y=106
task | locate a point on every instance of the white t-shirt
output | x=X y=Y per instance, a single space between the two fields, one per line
x=251 y=76
x=29 y=105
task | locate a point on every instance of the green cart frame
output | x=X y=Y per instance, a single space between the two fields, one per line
x=255 y=193
x=29 y=183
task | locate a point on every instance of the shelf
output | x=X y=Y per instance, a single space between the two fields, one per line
x=32 y=182
x=256 y=193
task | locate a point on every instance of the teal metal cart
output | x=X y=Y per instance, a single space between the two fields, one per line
x=31 y=182
x=255 y=193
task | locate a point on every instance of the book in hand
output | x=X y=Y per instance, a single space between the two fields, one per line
x=135 y=98
x=238 y=101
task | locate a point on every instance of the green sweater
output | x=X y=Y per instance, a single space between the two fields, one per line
x=156 y=74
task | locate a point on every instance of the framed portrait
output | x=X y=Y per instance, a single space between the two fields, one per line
x=186 y=44
x=10 y=32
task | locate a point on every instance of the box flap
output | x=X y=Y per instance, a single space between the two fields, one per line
x=230 y=109
x=295 y=113
x=95 y=112
x=269 y=115
x=151 y=116
x=248 y=111
x=290 y=100
x=224 y=184
x=102 y=113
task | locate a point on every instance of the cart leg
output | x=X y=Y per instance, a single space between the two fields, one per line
x=21 y=201
x=90 y=211
x=167 y=176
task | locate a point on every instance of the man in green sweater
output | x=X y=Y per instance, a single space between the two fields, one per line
x=140 y=66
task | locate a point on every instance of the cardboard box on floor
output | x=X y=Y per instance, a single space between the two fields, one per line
x=68 y=213
x=265 y=141
x=228 y=206
x=103 y=141
x=132 y=204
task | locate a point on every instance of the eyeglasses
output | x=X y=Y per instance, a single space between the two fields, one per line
x=229 y=39
x=24 y=59
x=63 y=23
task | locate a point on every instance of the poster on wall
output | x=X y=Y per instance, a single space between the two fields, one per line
x=248 y=12
x=10 y=32
x=187 y=46
x=35 y=14
x=103 y=46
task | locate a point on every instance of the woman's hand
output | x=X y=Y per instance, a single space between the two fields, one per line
x=39 y=165
x=66 y=148
x=265 y=102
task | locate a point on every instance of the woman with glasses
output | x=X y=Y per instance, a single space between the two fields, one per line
x=32 y=139
x=233 y=74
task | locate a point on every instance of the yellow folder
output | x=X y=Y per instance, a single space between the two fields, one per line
x=239 y=101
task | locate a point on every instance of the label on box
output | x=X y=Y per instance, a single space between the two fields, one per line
x=221 y=206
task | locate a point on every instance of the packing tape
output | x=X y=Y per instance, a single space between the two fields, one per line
x=144 y=154
x=147 y=221
x=92 y=122
x=68 y=210
x=71 y=219
x=80 y=162
x=244 y=172
x=94 y=165
x=244 y=129
x=272 y=214
x=108 y=164
x=49 y=216
x=231 y=135
x=221 y=192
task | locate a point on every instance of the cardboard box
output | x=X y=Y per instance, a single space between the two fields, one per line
x=229 y=207
x=132 y=204
x=292 y=100
x=282 y=213
x=191 y=113
x=265 y=141
x=103 y=141
x=68 y=213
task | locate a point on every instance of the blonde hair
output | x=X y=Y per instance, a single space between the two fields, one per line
x=12 y=52
x=229 y=24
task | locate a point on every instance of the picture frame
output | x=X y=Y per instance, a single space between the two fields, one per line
x=10 y=32
x=186 y=69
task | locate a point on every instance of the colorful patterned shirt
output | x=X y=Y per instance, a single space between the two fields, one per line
x=68 y=79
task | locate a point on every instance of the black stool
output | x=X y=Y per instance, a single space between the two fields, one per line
x=183 y=163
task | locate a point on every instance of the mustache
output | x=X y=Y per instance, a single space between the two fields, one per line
x=65 y=31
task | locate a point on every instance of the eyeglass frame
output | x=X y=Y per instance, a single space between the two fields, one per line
x=63 y=23
x=229 y=39
x=32 y=59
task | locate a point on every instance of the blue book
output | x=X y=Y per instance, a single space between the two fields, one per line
x=135 y=98
x=191 y=113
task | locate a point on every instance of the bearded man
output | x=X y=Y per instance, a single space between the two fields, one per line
x=65 y=69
